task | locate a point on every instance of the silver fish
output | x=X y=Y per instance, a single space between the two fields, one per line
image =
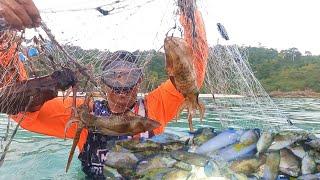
x=203 y=135
x=177 y=174
x=315 y=143
x=183 y=166
x=156 y=173
x=260 y=171
x=315 y=155
x=165 y=138
x=137 y=146
x=236 y=151
x=264 y=142
x=212 y=169
x=225 y=138
x=289 y=164
x=249 y=137
x=285 y=139
x=246 y=166
x=236 y=176
x=190 y=158
x=308 y=165
x=121 y=160
x=253 y=177
x=297 y=150
x=271 y=167
x=310 y=177
x=159 y=161
x=111 y=173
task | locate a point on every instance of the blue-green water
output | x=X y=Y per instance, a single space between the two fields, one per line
x=32 y=156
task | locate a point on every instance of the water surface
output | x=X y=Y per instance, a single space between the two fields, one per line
x=34 y=156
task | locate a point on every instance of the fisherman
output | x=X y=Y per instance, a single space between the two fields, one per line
x=121 y=88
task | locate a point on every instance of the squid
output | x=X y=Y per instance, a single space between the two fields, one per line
x=181 y=71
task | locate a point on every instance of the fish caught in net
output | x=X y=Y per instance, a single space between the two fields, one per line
x=72 y=47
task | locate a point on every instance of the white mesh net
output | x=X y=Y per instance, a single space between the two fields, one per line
x=229 y=73
x=88 y=36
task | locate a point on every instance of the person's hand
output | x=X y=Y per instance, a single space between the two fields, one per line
x=20 y=14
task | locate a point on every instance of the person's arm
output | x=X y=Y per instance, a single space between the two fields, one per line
x=163 y=103
x=51 y=119
x=52 y=116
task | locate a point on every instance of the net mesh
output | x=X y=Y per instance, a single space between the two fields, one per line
x=229 y=73
x=83 y=36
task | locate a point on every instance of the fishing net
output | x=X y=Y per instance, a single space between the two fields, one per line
x=229 y=73
x=86 y=35
x=81 y=35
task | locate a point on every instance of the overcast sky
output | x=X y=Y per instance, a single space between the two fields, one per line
x=280 y=24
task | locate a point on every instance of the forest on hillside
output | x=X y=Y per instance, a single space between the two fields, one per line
x=286 y=70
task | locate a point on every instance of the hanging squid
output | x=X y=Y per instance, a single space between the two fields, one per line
x=181 y=70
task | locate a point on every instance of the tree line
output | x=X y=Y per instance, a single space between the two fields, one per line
x=285 y=70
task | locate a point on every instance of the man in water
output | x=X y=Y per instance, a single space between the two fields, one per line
x=120 y=83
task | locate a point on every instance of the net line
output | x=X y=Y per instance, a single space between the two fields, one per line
x=228 y=70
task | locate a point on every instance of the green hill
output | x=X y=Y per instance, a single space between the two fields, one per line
x=287 y=70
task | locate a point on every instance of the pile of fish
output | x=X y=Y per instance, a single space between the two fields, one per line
x=208 y=154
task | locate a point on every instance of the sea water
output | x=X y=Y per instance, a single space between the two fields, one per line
x=33 y=156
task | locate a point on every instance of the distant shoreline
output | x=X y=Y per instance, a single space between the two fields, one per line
x=274 y=94
x=294 y=94
x=97 y=94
